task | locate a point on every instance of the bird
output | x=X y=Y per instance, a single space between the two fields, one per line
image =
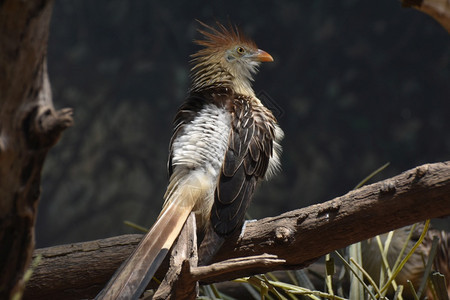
x=224 y=142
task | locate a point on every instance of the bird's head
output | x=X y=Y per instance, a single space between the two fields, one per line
x=228 y=59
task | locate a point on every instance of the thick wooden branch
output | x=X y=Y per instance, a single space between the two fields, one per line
x=183 y=275
x=78 y=270
x=29 y=126
x=418 y=194
x=298 y=237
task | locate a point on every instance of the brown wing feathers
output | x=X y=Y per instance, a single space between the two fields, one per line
x=246 y=162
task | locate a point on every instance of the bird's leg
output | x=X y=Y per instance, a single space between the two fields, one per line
x=209 y=246
x=212 y=242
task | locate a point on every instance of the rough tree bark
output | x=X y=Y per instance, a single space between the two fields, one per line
x=297 y=238
x=29 y=126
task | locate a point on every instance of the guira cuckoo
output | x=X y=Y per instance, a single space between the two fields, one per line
x=224 y=142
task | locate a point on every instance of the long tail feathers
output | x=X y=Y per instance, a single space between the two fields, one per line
x=133 y=276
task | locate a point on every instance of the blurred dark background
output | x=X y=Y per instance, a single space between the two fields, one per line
x=355 y=84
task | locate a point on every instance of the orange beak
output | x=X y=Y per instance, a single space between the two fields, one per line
x=262 y=56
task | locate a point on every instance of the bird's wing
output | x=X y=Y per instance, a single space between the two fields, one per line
x=246 y=161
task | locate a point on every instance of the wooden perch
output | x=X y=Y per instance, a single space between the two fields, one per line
x=183 y=275
x=297 y=238
x=78 y=270
x=415 y=195
x=29 y=126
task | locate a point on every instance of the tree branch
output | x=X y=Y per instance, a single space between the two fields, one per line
x=78 y=270
x=415 y=195
x=29 y=126
x=299 y=237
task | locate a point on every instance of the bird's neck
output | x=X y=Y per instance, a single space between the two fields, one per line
x=242 y=85
x=208 y=75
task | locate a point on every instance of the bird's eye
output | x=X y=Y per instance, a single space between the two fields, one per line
x=240 y=50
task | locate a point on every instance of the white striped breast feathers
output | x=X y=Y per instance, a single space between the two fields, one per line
x=202 y=143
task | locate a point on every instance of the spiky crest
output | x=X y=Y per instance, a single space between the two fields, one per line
x=220 y=39
x=210 y=68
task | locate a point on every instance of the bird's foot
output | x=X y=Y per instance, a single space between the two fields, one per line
x=244 y=226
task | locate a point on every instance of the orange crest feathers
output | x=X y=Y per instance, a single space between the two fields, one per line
x=221 y=38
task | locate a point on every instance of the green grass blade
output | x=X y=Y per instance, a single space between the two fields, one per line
x=413 y=291
x=398 y=292
x=272 y=288
x=290 y=288
x=403 y=262
x=371 y=281
x=428 y=266
x=364 y=181
x=439 y=286
x=329 y=271
x=384 y=252
x=359 y=278
x=303 y=279
x=356 y=287
x=405 y=245
x=292 y=277
x=135 y=226
x=251 y=289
